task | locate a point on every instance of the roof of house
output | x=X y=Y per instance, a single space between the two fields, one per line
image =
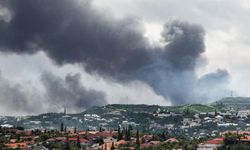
x=82 y=140
x=245 y=139
x=121 y=142
x=216 y=141
x=149 y=144
x=172 y=140
x=236 y=132
x=154 y=142
x=16 y=145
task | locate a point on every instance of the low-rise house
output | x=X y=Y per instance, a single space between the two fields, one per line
x=29 y=138
x=17 y=145
x=243 y=113
x=227 y=124
x=120 y=143
x=147 y=137
x=109 y=140
x=218 y=118
x=213 y=144
x=172 y=140
x=235 y=132
x=149 y=144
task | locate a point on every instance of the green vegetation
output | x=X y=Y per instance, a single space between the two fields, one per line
x=194 y=108
x=237 y=103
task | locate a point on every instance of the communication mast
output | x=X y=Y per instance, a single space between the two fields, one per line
x=232 y=94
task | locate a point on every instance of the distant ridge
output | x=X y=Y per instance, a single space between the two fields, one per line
x=238 y=103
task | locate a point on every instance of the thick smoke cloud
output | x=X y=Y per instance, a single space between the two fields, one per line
x=173 y=72
x=70 y=93
x=206 y=87
x=59 y=92
x=14 y=97
x=71 y=33
x=74 y=32
x=185 y=44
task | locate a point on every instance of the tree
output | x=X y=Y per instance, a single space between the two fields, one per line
x=240 y=147
x=126 y=134
x=137 y=137
x=67 y=146
x=112 y=146
x=62 y=127
x=215 y=112
x=163 y=136
x=105 y=146
x=137 y=140
x=75 y=130
x=232 y=138
x=19 y=128
x=78 y=142
x=65 y=129
x=120 y=136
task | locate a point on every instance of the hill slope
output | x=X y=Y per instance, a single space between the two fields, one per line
x=238 y=103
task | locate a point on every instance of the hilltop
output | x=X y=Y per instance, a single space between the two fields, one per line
x=237 y=103
x=113 y=114
x=142 y=108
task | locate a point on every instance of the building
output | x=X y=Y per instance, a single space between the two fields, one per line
x=213 y=144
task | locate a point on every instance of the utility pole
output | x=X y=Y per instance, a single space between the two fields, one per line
x=232 y=94
x=64 y=111
x=127 y=99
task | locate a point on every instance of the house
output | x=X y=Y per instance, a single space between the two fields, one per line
x=81 y=140
x=147 y=137
x=236 y=132
x=172 y=140
x=17 y=145
x=218 y=118
x=121 y=142
x=243 y=113
x=150 y=144
x=109 y=140
x=29 y=138
x=213 y=144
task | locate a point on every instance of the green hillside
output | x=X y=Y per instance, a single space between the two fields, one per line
x=195 y=108
x=238 y=103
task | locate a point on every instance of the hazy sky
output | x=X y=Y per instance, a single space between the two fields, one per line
x=37 y=78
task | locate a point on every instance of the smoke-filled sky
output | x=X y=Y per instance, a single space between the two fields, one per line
x=81 y=53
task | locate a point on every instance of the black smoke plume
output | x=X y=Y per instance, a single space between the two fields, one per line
x=15 y=99
x=70 y=93
x=72 y=31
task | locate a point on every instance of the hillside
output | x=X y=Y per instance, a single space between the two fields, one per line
x=112 y=115
x=238 y=103
x=195 y=108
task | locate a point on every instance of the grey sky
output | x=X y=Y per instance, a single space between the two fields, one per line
x=226 y=27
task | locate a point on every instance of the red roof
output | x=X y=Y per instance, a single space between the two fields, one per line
x=154 y=142
x=121 y=142
x=51 y=140
x=82 y=140
x=216 y=141
x=172 y=140
x=16 y=145
x=236 y=132
x=245 y=138
x=61 y=138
